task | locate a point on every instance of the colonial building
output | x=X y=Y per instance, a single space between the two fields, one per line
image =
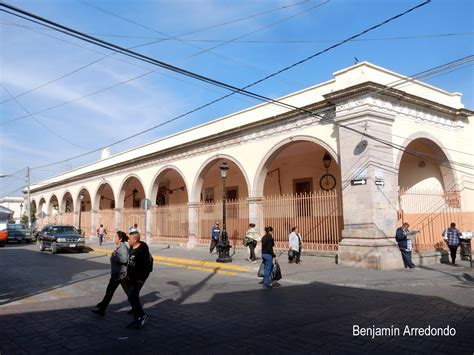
x=370 y=149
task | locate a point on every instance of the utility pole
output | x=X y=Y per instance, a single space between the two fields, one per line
x=28 y=192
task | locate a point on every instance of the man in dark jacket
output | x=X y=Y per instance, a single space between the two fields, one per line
x=118 y=265
x=215 y=234
x=139 y=267
x=405 y=245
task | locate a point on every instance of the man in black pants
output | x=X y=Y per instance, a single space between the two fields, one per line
x=404 y=244
x=139 y=267
x=451 y=236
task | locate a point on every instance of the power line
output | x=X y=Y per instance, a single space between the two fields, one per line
x=148 y=59
x=41 y=123
x=291 y=66
x=270 y=41
x=230 y=87
x=294 y=41
x=155 y=41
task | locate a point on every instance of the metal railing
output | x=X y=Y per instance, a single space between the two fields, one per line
x=170 y=223
x=317 y=215
x=431 y=212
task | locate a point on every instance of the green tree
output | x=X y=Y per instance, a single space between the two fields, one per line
x=24 y=218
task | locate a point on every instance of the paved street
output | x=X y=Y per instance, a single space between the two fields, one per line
x=200 y=307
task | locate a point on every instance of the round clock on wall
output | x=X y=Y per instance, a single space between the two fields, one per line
x=327 y=182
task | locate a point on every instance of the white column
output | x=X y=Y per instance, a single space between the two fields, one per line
x=93 y=222
x=148 y=225
x=118 y=217
x=193 y=224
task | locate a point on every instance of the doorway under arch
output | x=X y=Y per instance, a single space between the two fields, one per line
x=300 y=181
x=428 y=197
x=169 y=197
x=209 y=190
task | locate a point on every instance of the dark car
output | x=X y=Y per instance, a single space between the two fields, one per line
x=18 y=233
x=59 y=237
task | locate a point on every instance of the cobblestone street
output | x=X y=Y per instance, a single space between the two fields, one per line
x=46 y=300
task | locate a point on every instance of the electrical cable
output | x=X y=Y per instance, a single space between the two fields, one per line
x=242 y=91
x=233 y=89
x=41 y=123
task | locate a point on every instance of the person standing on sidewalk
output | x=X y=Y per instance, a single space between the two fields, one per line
x=268 y=255
x=404 y=244
x=118 y=265
x=101 y=233
x=251 y=239
x=294 y=253
x=215 y=234
x=139 y=268
x=451 y=236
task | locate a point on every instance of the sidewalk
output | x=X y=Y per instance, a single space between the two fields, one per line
x=312 y=269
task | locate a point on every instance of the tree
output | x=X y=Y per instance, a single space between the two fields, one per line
x=24 y=218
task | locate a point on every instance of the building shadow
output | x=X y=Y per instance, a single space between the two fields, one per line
x=312 y=318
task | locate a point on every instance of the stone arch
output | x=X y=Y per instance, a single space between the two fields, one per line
x=41 y=207
x=204 y=169
x=263 y=167
x=124 y=186
x=153 y=189
x=67 y=203
x=53 y=204
x=104 y=188
x=429 y=163
x=86 y=202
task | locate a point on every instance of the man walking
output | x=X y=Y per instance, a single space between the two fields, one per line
x=405 y=245
x=215 y=233
x=139 y=267
x=101 y=233
x=451 y=236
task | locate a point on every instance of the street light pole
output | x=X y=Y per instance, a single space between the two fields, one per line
x=28 y=202
x=223 y=246
x=81 y=197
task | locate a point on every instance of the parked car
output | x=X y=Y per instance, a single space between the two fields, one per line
x=59 y=237
x=3 y=234
x=18 y=233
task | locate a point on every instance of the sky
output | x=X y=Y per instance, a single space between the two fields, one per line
x=123 y=96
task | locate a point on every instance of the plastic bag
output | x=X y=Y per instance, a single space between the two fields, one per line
x=276 y=272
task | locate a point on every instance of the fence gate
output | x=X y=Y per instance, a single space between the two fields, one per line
x=170 y=223
x=317 y=214
x=237 y=220
x=106 y=217
x=429 y=211
x=130 y=216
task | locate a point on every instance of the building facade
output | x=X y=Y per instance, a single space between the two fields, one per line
x=357 y=155
x=16 y=204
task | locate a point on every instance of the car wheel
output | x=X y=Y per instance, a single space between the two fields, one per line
x=41 y=246
x=54 y=248
x=28 y=241
x=2 y=244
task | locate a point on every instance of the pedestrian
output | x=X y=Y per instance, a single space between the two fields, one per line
x=215 y=233
x=252 y=237
x=451 y=236
x=294 y=253
x=101 y=233
x=267 y=256
x=138 y=270
x=405 y=245
x=134 y=228
x=118 y=265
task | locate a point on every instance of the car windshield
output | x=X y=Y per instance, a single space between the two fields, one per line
x=63 y=229
x=17 y=226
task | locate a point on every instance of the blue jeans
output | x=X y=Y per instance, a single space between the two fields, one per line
x=101 y=238
x=268 y=262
